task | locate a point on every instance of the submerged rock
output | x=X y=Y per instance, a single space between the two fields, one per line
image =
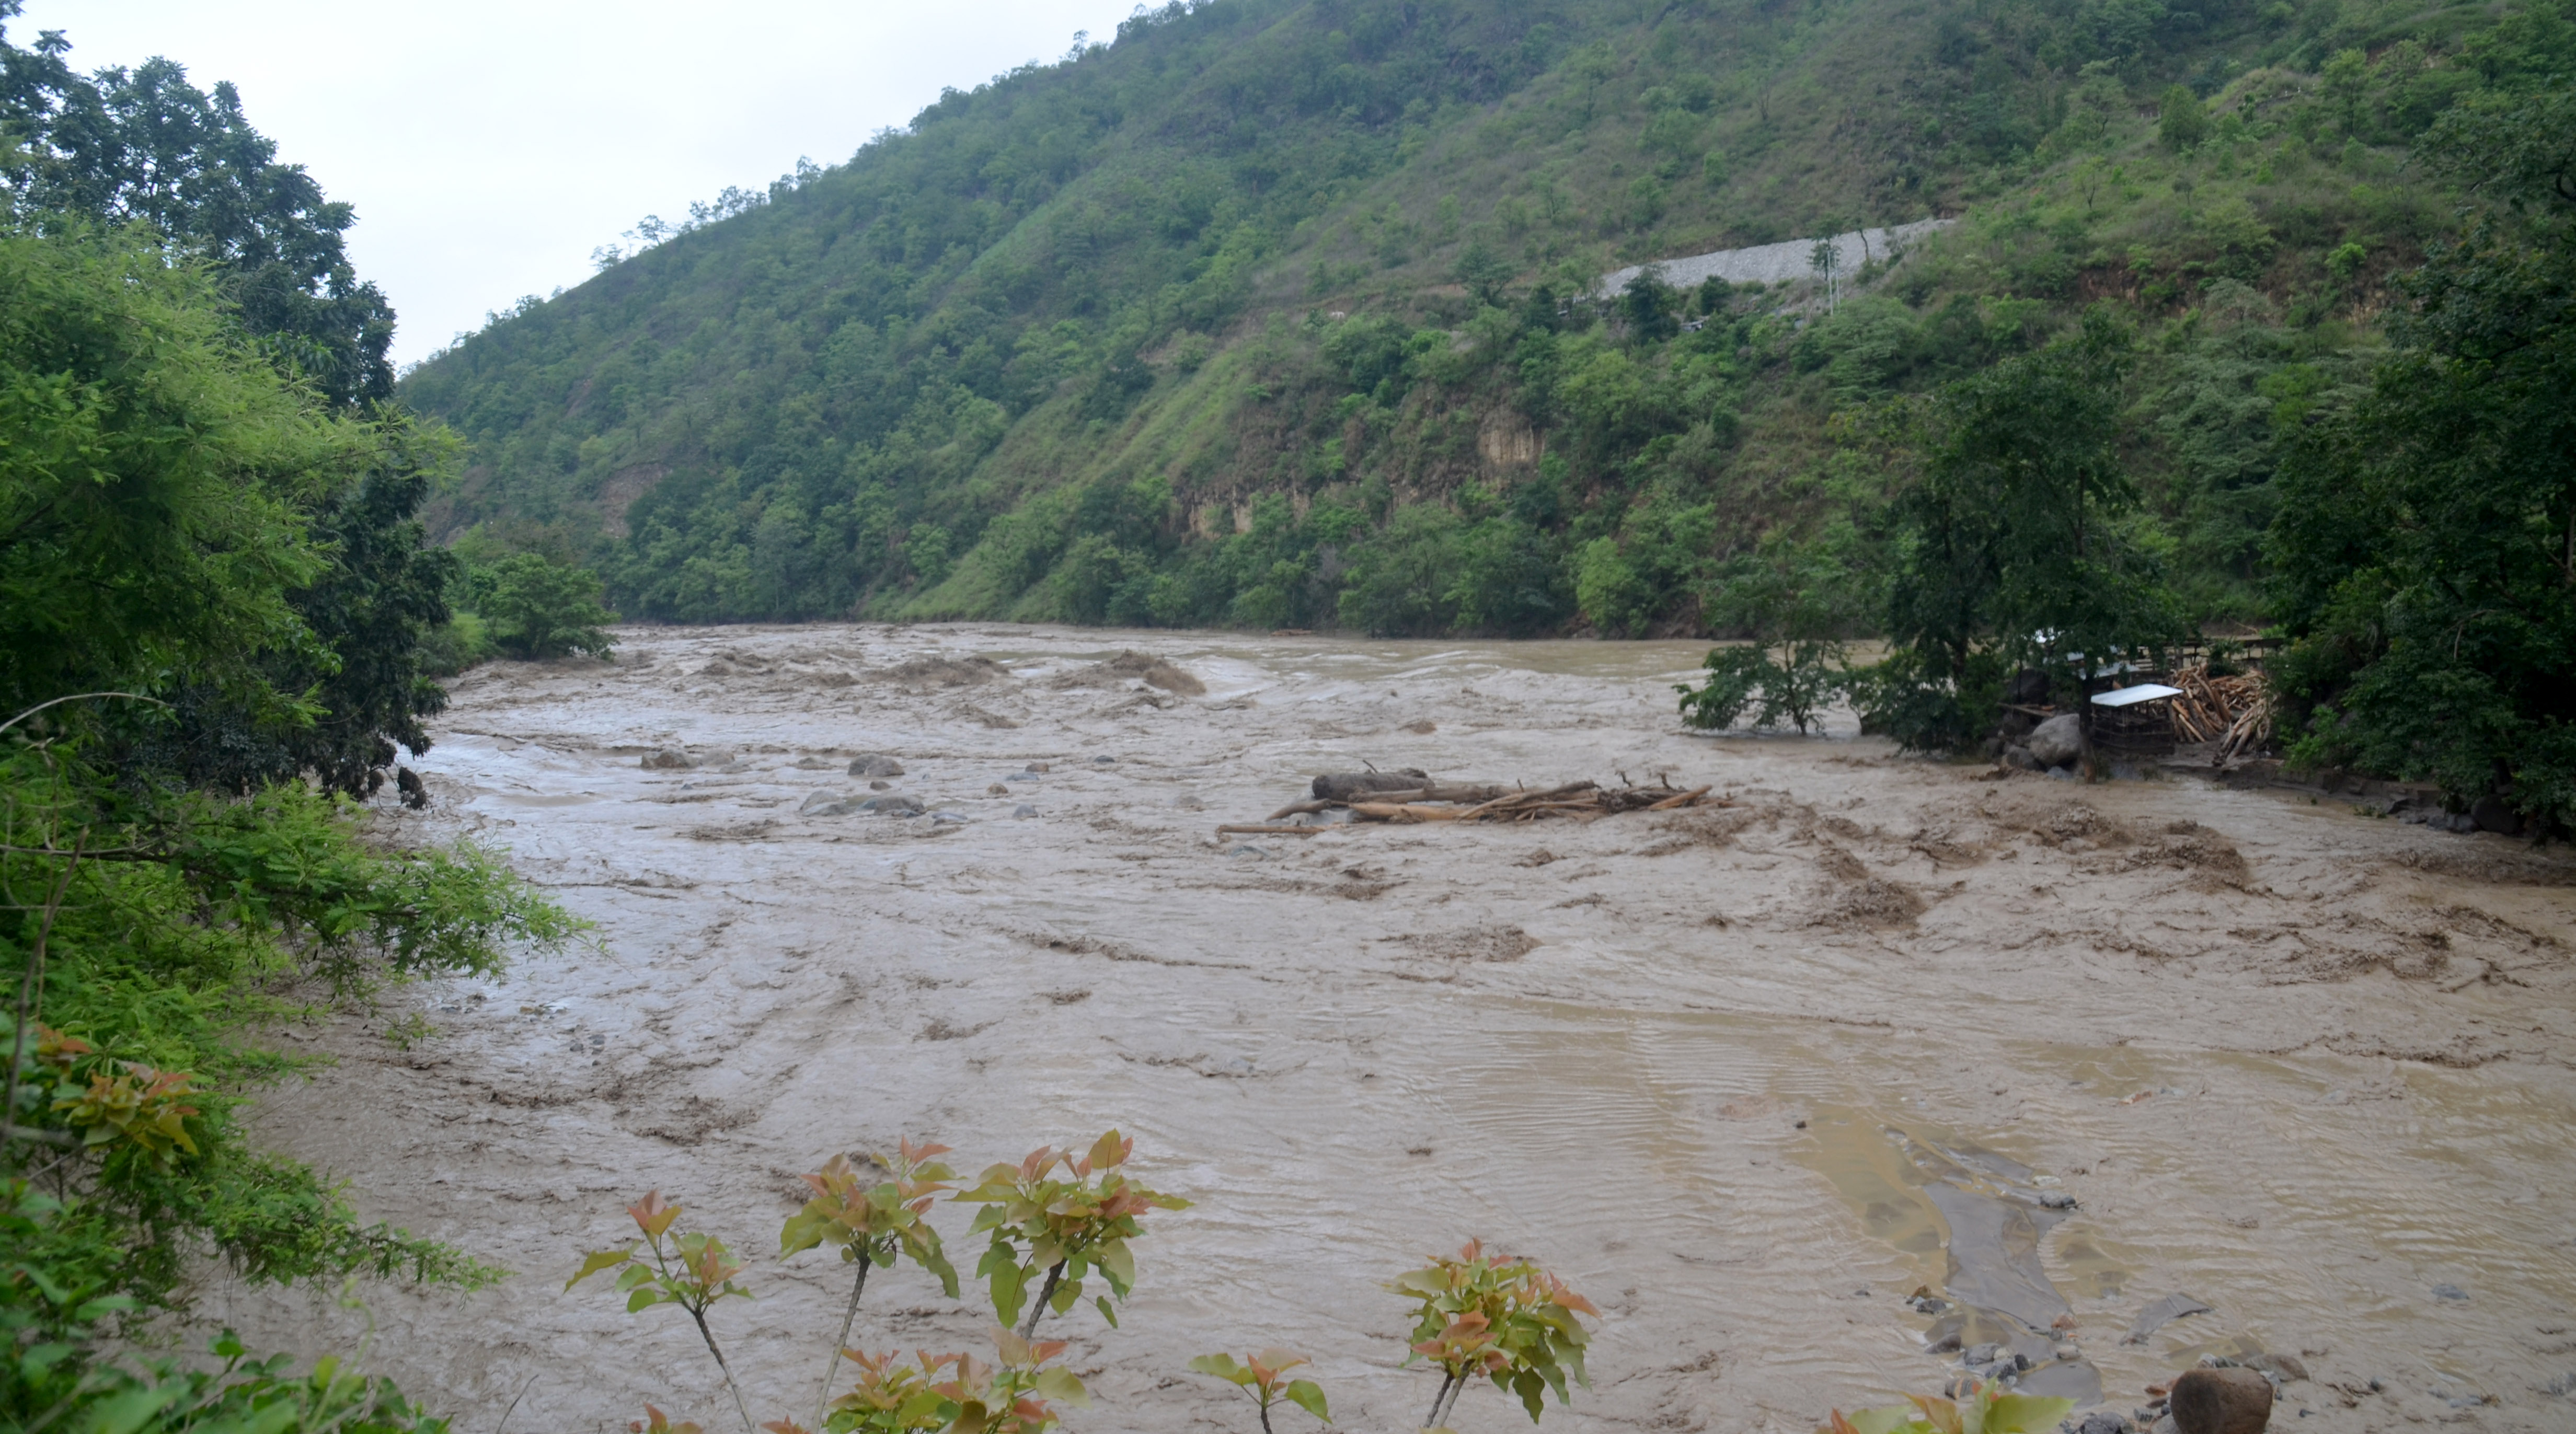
x=2163 y=1312
x=875 y=764
x=666 y=759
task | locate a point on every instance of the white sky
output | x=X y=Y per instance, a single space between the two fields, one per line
x=489 y=147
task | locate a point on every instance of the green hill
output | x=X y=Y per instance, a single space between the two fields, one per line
x=1278 y=314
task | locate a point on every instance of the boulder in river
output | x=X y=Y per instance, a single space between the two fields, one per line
x=2220 y=1401
x=875 y=764
x=2057 y=741
x=666 y=759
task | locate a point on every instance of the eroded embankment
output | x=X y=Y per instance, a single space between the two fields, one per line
x=1749 y=1076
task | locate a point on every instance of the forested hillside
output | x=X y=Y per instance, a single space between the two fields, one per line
x=1069 y=346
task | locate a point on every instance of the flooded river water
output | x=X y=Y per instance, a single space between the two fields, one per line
x=1747 y=1076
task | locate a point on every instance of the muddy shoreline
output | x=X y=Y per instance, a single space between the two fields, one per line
x=2307 y=1066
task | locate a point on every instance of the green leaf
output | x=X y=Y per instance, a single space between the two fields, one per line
x=1118 y=1263
x=1306 y=1394
x=1899 y=1420
x=1111 y=1315
x=2023 y=1414
x=1061 y=1386
x=1533 y=1392
x=1222 y=1366
x=1007 y=1288
x=599 y=1260
x=936 y=1261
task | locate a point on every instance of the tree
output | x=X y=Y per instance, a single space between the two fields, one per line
x=1484 y=272
x=537 y=608
x=2015 y=544
x=2182 y=122
x=129 y=559
x=145 y=146
x=1651 y=306
x=2425 y=552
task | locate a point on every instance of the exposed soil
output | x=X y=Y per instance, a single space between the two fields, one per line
x=1746 y=1075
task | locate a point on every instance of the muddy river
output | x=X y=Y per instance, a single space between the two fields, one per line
x=1748 y=1075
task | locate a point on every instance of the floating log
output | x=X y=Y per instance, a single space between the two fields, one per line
x=1342 y=786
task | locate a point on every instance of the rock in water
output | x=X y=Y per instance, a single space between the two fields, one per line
x=2221 y=1401
x=875 y=764
x=2055 y=742
x=2288 y=1367
x=666 y=759
x=1342 y=786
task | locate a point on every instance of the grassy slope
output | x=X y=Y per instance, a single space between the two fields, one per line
x=1061 y=351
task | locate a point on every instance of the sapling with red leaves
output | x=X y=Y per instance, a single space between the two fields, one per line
x=1505 y=1319
x=1066 y=1226
x=692 y=1271
x=872 y=1225
x=1258 y=1375
x=953 y=1393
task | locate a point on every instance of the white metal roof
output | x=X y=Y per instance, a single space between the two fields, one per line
x=2143 y=692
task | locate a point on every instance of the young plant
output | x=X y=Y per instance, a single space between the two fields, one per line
x=1014 y=1396
x=1507 y=1320
x=953 y=1393
x=1067 y=1226
x=692 y=1271
x=1988 y=1409
x=872 y=1225
x=892 y=1397
x=1258 y=1376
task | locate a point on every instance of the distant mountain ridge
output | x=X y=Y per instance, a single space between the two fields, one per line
x=1061 y=348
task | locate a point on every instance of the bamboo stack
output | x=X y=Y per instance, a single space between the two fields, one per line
x=2234 y=712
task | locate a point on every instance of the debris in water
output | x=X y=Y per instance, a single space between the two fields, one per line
x=2163 y=1312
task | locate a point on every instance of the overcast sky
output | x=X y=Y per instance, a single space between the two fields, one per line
x=489 y=147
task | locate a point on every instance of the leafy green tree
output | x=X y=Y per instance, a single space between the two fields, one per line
x=2182 y=121
x=145 y=146
x=129 y=556
x=535 y=607
x=2016 y=544
x=2425 y=554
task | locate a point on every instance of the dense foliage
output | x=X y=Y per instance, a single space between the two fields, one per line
x=213 y=598
x=146 y=147
x=2426 y=550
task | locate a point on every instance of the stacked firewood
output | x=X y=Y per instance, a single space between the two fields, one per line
x=1412 y=797
x=2234 y=712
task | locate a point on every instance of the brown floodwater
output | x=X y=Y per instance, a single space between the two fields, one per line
x=1747 y=1076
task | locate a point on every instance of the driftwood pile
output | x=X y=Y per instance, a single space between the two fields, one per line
x=1412 y=796
x=2234 y=712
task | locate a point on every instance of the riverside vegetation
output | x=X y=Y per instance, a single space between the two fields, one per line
x=215 y=605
